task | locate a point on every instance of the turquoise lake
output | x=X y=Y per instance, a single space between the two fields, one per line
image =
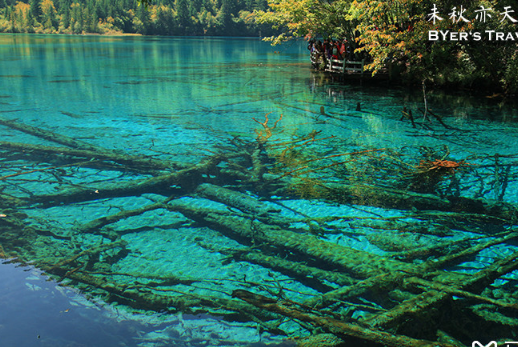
x=190 y=191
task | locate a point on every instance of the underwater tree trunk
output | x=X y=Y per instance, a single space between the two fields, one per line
x=332 y=325
x=359 y=263
x=188 y=179
x=369 y=195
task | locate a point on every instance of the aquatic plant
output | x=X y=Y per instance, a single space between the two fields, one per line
x=264 y=134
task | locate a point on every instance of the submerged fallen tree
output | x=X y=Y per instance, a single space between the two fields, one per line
x=240 y=194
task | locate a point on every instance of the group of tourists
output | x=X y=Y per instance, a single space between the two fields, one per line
x=330 y=49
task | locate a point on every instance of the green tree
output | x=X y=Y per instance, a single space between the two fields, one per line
x=207 y=5
x=207 y=22
x=91 y=21
x=35 y=9
x=142 y=25
x=11 y=16
x=308 y=18
x=29 y=22
x=195 y=7
x=65 y=17
x=224 y=17
x=165 y=23
x=77 y=19
x=260 y=5
x=49 y=18
x=165 y=17
x=231 y=6
x=182 y=15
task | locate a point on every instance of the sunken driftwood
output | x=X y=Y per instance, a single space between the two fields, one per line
x=348 y=259
x=329 y=324
x=129 y=162
x=342 y=274
x=186 y=178
x=401 y=199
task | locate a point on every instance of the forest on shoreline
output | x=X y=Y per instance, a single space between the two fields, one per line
x=162 y=17
x=393 y=33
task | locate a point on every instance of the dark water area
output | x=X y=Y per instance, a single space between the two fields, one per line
x=36 y=311
x=219 y=192
x=474 y=104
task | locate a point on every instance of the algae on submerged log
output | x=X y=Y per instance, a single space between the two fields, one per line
x=370 y=195
x=359 y=263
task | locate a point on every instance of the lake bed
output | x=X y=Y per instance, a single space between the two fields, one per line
x=222 y=179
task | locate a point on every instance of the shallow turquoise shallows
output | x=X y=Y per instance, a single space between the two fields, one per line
x=219 y=192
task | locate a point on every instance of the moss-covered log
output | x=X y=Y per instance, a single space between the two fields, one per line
x=129 y=162
x=332 y=325
x=188 y=179
x=155 y=300
x=370 y=195
x=356 y=262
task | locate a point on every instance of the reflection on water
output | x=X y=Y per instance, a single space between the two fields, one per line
x=142 y=76
x=448 y=103
x=38 y=312
x=223 y=184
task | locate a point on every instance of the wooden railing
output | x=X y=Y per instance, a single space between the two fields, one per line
x=339 y=65
x=344 y=65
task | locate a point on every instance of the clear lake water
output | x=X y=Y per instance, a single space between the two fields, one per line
x=183 y=191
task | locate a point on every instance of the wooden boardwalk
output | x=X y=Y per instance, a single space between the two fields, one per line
x=344 y=68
